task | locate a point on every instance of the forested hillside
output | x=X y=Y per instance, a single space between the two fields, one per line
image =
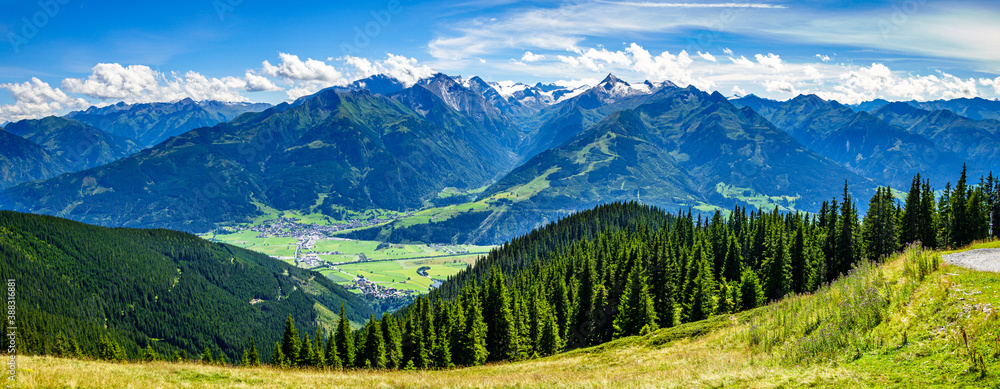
x=87 y=290
x=626 y=269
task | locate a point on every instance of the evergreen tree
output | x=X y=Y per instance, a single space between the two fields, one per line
x=799 y=261
x=549 y=342
x=206 y=357
x=635 y=311
x=913 y=214
x=393 y=342
x=848 y=250
x=733 y=265
x=330 y=351
x=579 y=332
x=374 y=346
x=149 y=355
x=928 y=230
x=751 y=292
x=318 y=355
x=290 y=342
x=278 y=358
x=879 y=228
x=344 y=340
x=306 y=354
x=501 y=334
x=254 y=356
x=473 y=339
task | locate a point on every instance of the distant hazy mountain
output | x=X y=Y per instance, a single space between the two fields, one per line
x=23 y=161
x=78 y=145
x=858 y=140
x=152 y=123
x=337 y=149
x=975 y=108
x=977 y=141
x=686 y=148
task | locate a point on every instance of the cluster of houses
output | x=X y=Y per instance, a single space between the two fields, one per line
x=369 y=287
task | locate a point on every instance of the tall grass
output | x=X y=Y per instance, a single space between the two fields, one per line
x=835 y=323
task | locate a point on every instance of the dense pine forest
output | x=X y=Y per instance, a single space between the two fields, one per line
x=121 y=293
x=618 y=270
x=625 y=269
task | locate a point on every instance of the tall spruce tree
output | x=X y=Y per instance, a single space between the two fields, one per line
x=635 y=311
x=290 y=342
x=499 y=317
x=345 y=341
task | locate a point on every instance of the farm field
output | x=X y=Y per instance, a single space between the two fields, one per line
x=273 y=246
x=402 y=274
x=390 y=265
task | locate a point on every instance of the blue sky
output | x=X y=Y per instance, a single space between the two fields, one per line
x=59 y=55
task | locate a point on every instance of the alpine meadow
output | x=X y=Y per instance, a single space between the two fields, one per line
x=500 y=194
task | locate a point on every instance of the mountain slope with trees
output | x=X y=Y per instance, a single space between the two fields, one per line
x=350 y=149
x=91 y=290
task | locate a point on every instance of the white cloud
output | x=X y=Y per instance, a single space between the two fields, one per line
x=531 y=57
x=822 y=57
x=141 y=84
x=779 y=86
x=114 y=81
x=727 y=51
x=770 y=61
x=739 y=92
x=878 y=81
x=636 y=59
x=707 y=56
x=406 y=70
x=35 y=99
x=995 y=83
x=293 y=68
x=742 y=61
x=257 y=83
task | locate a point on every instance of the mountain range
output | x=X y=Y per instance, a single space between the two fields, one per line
x=152 y=123
x=533 y=153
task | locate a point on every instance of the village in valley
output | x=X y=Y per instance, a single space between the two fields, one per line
x=374 y=269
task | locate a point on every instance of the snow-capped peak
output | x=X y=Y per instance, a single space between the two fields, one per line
x=508 y=88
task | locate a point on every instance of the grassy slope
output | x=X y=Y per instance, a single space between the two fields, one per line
x=828 y=339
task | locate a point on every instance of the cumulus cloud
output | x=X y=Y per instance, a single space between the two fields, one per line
x=406 y=70
x=256 y=83
x=35 y=99
x=878 y=81
x=707 y=56
x=636 y=59
x=293 y=68
x=770 y=61
x=779 y=86
x=141 y=84
x=739 y=92
x=114 y=81
x=995 y=83
x=822 y=57
x=531 y=57
x=742 y=61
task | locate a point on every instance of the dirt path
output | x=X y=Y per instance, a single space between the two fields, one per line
x=978 y=259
